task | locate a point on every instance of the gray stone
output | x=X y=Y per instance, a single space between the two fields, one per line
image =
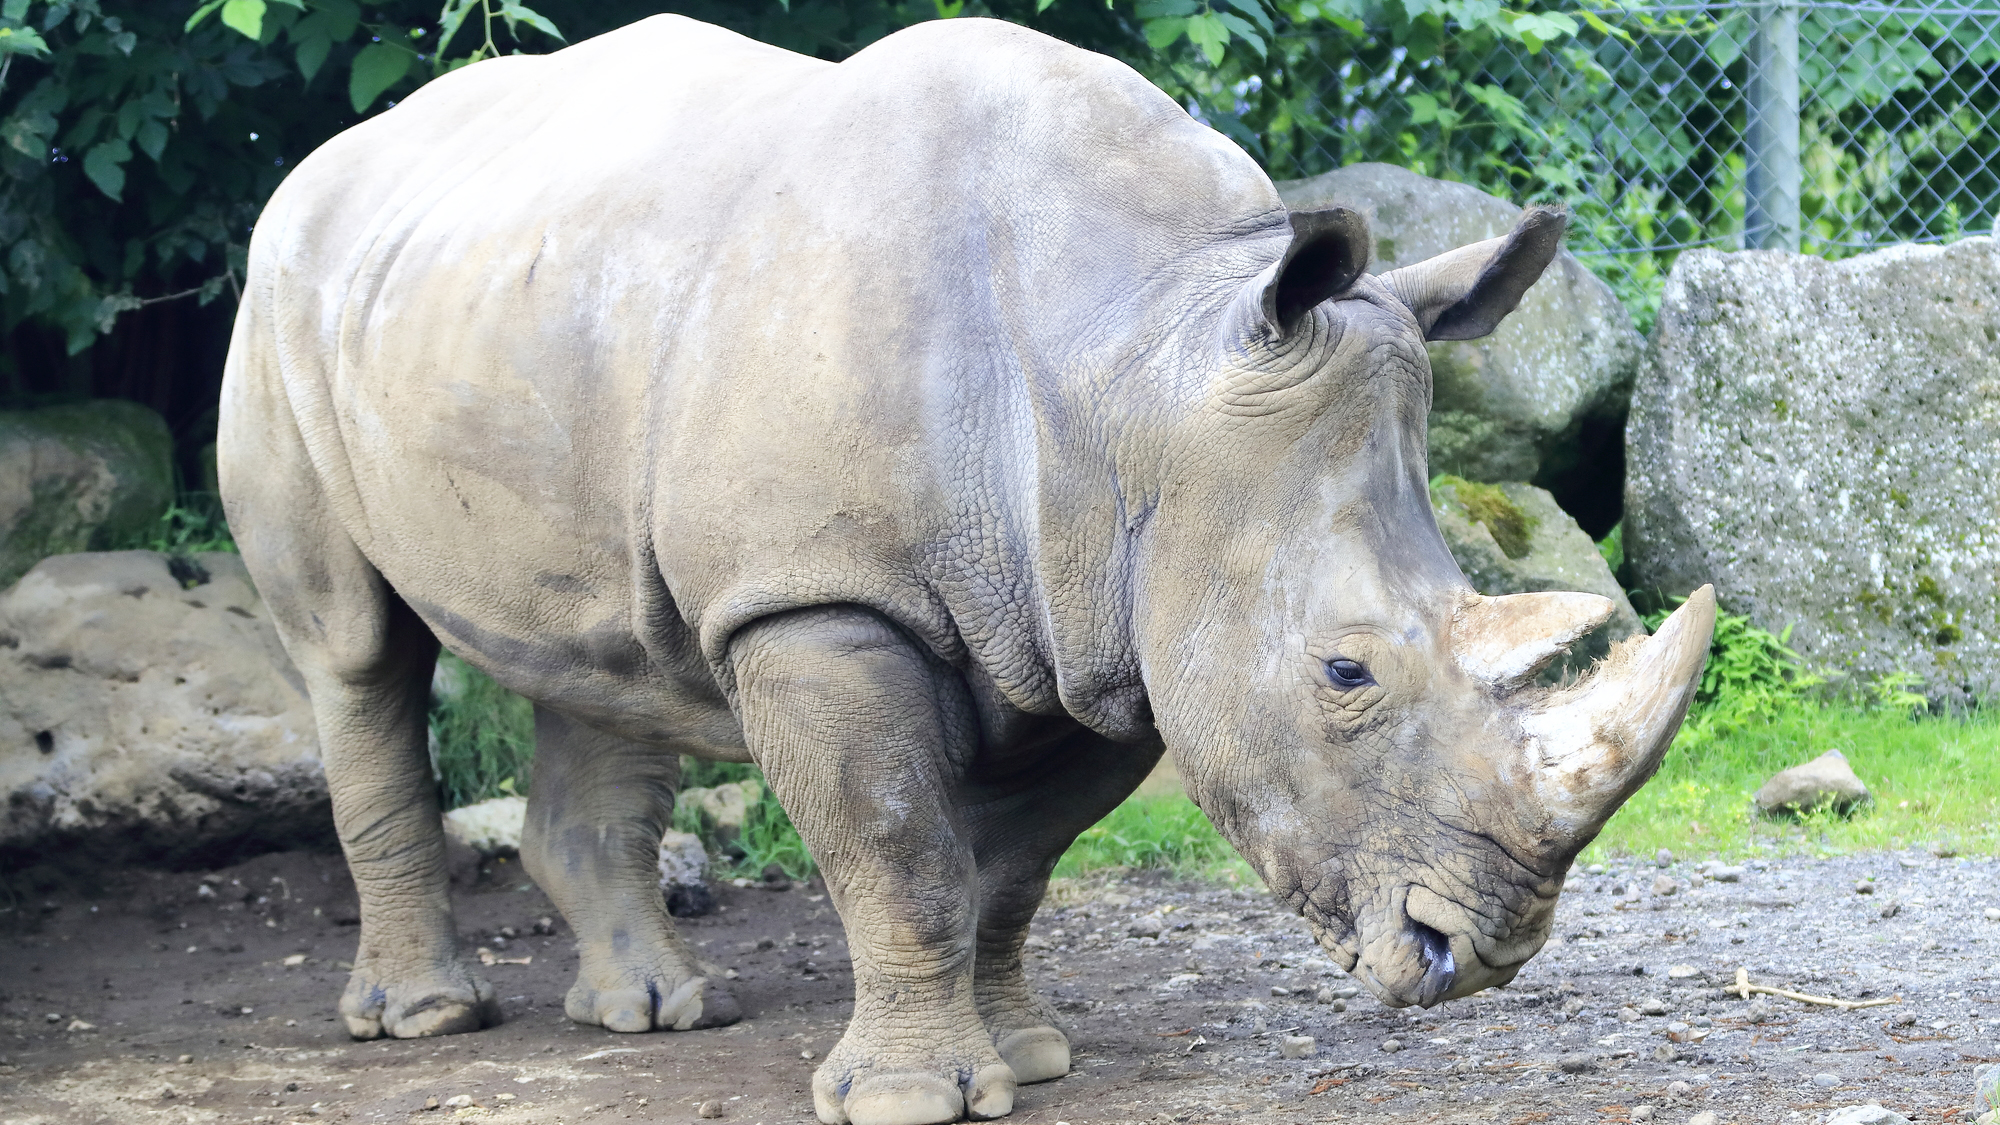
x=149 y=715
x=83 y=477
x=1296 y=1046
x=1726 y=874
x=722 y=809
x=1825 y=781
x=1512 y=538
x=1821 y=440
x=1986 y=1088
x=490 y=828
x=683 y=866
x=1826 y=1081
x=1576 y=1064
x=1513 y=404
x=1866 y=1115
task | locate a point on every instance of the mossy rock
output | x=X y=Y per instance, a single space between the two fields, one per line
x=88 y=476
x=1512 y=538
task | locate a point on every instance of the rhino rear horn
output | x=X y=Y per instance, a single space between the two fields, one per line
x=1329 y=249
x=1504 y=641
x=1462 y=294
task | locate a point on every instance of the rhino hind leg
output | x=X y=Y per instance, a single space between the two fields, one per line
x=366 y=661
x=857 y=729
x=596 y=809
x=1018 y=836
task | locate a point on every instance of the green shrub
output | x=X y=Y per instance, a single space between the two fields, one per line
x=483 y=737
x=1165 y=833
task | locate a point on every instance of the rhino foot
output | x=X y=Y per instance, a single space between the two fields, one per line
x=1035 y=1054
x=662 y=1005
x=448 y=1002
x=913 y=1098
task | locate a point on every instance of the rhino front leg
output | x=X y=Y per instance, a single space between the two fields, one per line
x=857 y=729
x=596 y=809
x=1018 y=837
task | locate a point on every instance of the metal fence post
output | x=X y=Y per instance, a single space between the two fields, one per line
x=1771 y=189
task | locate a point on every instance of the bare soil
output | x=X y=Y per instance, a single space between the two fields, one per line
x=152 y=1001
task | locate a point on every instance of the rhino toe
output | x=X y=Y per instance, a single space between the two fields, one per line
x=1035 y=1054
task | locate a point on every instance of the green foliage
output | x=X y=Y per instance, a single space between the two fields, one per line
x=1157 y=832
x=140 y=140
x=192 y=525
x=768 y=836
x=483 y=736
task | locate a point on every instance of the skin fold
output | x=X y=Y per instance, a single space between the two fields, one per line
x=950 y=432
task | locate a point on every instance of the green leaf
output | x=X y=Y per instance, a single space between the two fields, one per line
x=1256 y=12
x=124 y=41
x=449 y=19
x=377 y=67
x=1159 y=9
x=201 y=14
x=512 y=10
x=1207 y=32
x=28 y=133
x=1042 y=6
x=948 y=11
x=16 y=10
x=246 y=16
x=1240 y=28
x=1161 y=33
x=151 y=138
x=104 y=165
x=311 y=55
x=1423 y=108
x=22 y=41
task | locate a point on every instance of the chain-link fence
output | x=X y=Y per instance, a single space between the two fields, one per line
x=1830 y=127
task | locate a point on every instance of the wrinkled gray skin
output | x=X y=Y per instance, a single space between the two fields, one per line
x=945 y=431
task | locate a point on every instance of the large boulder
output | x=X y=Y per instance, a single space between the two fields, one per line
x=1513 y=538
x=148 y=714
x=1542 y=397
x=81 y=477
x=1821 y=440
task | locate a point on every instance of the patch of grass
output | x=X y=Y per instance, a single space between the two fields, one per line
x=1488 y=504
x=1935 y=780
x=1163 y=832
x=482 y=736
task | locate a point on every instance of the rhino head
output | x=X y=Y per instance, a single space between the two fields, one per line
x=1368 y=731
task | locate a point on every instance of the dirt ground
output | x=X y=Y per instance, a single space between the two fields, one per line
x=158 y=1001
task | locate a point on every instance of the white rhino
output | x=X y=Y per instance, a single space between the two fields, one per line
x=947 y=431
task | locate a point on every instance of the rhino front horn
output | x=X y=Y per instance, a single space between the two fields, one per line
x=1593 y=745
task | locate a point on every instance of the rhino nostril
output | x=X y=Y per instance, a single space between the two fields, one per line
x=1439 y=969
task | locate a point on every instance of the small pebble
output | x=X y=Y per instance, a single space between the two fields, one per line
x=1664 y=1053
x=1993 y=914
x=1679 y=1089
x=1392 y=1045
x=1642 y=1113
x=1683 y=972
x=186 y=1058
x=545 y=925
x=1705 y=1117
x=1296 y=1046
x=1280 y=990
x=807 y=1054
x=1866 y=1115
x=1628 y=1015
x=431 y=1102
x=1653 y=1006
x=1665 y=884
x=1150 y=926
x=1576 y=1064
x=1891 y=909
x=1664 y=857
x=1758 y=1012
x=458 y=1101
x=1726 y=874
x=1904 y=1018
x=1864 y=887
x=1826 y=1081
x=709 y=1109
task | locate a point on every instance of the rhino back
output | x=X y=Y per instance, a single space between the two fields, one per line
x=603 y=354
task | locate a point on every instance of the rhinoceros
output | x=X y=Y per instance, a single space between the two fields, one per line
x=949 y=431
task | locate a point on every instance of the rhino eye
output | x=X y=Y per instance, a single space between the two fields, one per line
x=1348 y=673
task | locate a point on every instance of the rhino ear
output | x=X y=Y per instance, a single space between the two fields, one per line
x=1463 y=294
x=1329 y=250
